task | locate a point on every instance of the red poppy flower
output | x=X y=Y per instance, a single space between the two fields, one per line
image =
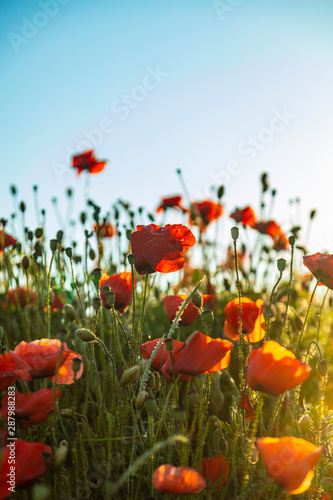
x=245 y=403
x=31 y=462
x=12 y=368
x=289 y=461
x=281 y=243
x=161 y=249
x=87 y=161
x=246 y=216
x=178 y=480
x=43 y=358
x=199 y=355
x=253 y=321
x=106 y=230
x=172 y=202
x=57 y=304
x=272 y=229
x=274 y=369
x=121 y=286
x=173 y=303
x=162 y=355
x=215 y=467
x=31 y=408
x=321 y=266
x=206 y=211
x=18 y=297
x=6 y=240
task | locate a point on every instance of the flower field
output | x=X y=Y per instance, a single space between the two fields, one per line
x=135 y=363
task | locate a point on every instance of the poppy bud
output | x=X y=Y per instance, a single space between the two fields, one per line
x=85 y=335
x=234 y=233
x=179 y=414
x=53 y=245
x=69 y=252
x=322 y=367
x=305 y=423
x=110 y=297
x=313 y=214
x=13 y=189
x=220 y=192
x=199 y=382
x=151 y=217
x=97 y=274
x=169 y=344
x=83 y=217
x=193 y=399
x=60 y=235
x=150 y=405
x=130 y=258
x=39 y=232
x=76 y=364
x=208 y=317
x=197 y=300
x=281 y=265
x=30 y=235
x=60 y=454
x=41 y=492
x=141 y=398
x=142 y=365
x=22 y=206
x=274 y=191
x=292 y=240
x=67 y=413
x=69 y=312
x=96 y=303
x=25 y=262
x=227 y=284
x=69 y=192
x=129 y=376
x=128 y=234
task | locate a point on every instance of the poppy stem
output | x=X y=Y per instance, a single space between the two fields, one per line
x=240 y=330
x=270 y=305
x=142 y=314
x=321 y=310
x=289 y=286
x=77 y=290
x=133 y=309
x=48 y=298
x=305 y=320
x=275 y=413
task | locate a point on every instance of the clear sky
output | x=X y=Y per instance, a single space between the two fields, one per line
x=223 y=90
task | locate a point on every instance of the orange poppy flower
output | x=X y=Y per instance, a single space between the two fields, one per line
x=106 y=230
x=31 y=462
x=31 y=408
x=289 y=461
x=274 y=369
x=245 y=403
x=215 y=467
x=161 y=249
x=253 y=321
x=121 y=286
x=6 y=240
x=57 y=304
x=18 y=297
x=43 y=358
x=246 y=216
x=199 y=355
x=12 y=368
x=178 y=480
x=162 y=354
x=206 y=211
x=87 y=161
x=272 y=229
x=173 y=303
x=281 y=243
x=321 y=266
x=171 y=202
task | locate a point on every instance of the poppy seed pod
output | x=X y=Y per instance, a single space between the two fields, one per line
x=96 y=303
x=129 y=376
x=292 y=240
x=25 y=262
x=69 y=252
x=97 y=274
x=53 y=245
x=197 y=300
x=234 y=233
x=281 y=265
x=130 y=258
x=39 y=232
x=22 y=206
x=208 y=317
x=60 y=235
x=110 y=298
x=220 y=192
x=169 y=344
x=69 y=312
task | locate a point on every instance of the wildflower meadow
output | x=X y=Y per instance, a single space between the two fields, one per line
x=136 y=363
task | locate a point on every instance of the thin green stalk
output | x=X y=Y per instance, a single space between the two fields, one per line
x=305 y=320
x=275 y=413
x=321 y=310
x=48 y=298
x=270 y=305
x=240 y=330
x=142 y=314
x=289 y=286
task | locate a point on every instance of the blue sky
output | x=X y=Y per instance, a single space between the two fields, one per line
x=223 y=90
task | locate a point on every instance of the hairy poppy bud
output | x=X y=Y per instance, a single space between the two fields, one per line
x=208 y=317
x=141 y=398
x=25 y=262
x=322 y=367
x=97 y=274
x=60 y=454
x=96 y=303
x=39 y=232
x=281 y=265
x=129 y=376
x=53 y=245
x=169 y=344
x=69 y=312
x=85 y=335
x=69 y=252
x=130 y=258
x=197 y=299
x=234 y=233
x=110 y=298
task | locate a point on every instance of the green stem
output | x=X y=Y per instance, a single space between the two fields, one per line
x=305 y=320
x=288 y=295
x=48 y=298
x=321 y=310
x=270 y=305
x=240 y=330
